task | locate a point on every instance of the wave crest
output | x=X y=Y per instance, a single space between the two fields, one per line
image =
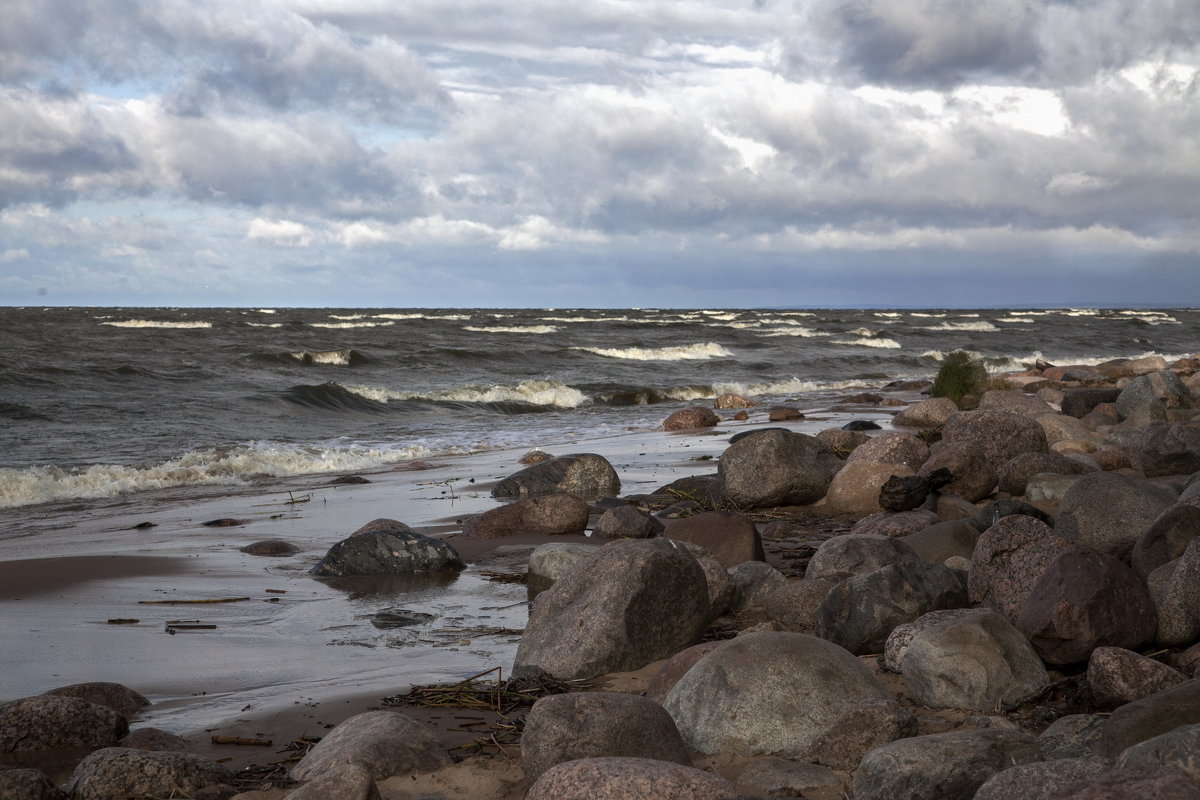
x=154 y=323
x=690 y=352
x=511 y=329
x=551 y=394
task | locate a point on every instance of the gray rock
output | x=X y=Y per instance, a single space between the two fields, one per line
x=1151 y=716
x=722 y=591
x=1117 y=676
x=782 y=778
x=794 y=605
x=1040 y=780
x=1080 y=402
x=1167 y=449
x=1014 y=402
x=1158 y=782
x=339 y=782
x=27 y=784
x=638 y=601
x=622 y=778
x=977 y=662
x=549 y=562
x=730 y=537
x=1009 y=558
x=1176 y=748
x=861 y=611
x=892 y=447
x=956 y=537
x=902 y=635
x=566 y=727
x=270 y=547
x=840 y=557
x=1147 y=397
x=1074 y=736
x=1048 y=487
x=1179 y=606
x=1000 y=434
x=943 y=766
x=676 y=667
x=119 y=772
x=1132 y=367
x=121 y=699
x=1062 y=428
x=974 y=474
x=1108 y=512
x=626 y=522
x=154 y=739
x=585 y=474
x=49 y=722
x=386 y=743
x=545 y=515
x=855 y=488
x=753 y=583
x=687 y=419
x=852 y=735
x=997 y=510
x=842 y=442
x=1167 y=538
x=775 y=467
x=771 y=693
x=896 y=524
x=928 y=414
x=1015 y=473
x=387 y=552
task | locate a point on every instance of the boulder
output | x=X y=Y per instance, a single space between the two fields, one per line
x=565 y=727
x=1074 y=736
x=549 y=562
x=623 y=778
x=861 y=611
x=1160 y=783
x=545 y=515
x=753 y=583
x=1000 y=434
x=842 y=442
x=1179 y=604
x=1117 y=676
x=1109 y=512
x=730 y=537
x=1079 y=403
x=1015 y=473
x=708 y=489
x=676 y=667
x=975 y=661
x=840 y=557
x=339 y=782
x=119 y=772
x=794 y=605
x=639 y=600
x=270 y=547
x=997 y=510
x=1014 y=403
x=774 y=468
x=1177 y=748
x=387 y=552
x=945 y=766
x=896 y=524
x=729 y=400
x=121 y=699
x=1151 y=716
x=1084 y=600
x=722 y=591
x=49 y=722
x=153 y=739
x=1147 y=397
x=943 y=540
x=778 y=777
x=626 y=522
x=687 y=419
x=1047 y=487
x=585 y=474
x=974 y=475
x=771 y=693
x=1009 y=558
x=1167 y=449
x=894 y=448
x=1040 y=780
x=855 y=488
x=27 y=784
x=386 y=743
x=902 y=635
x=784 y=413
x=1131 y=367
x=1167 y=538
x=1063 y=428
x=928 y=414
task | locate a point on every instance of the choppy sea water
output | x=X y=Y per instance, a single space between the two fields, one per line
x=111 y=402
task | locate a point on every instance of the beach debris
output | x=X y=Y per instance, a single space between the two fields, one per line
x=270 y=547
x=505 y=577
x=399 y=618
x=275 y=591
x=175 y=625
x=223 y=522
x=144 y=525
x=291 y=501
x=123 y=621
x=242 y=741
x=387 y=547
x=349 y=479
x=192 y=602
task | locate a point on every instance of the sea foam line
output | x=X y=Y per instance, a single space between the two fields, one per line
x=510 y=328
x=690 y=352
x=537 y=393
x=152 y=323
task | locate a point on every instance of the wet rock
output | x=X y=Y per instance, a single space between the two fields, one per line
x=566 y=727
x=122 y=699
x=27 y=784
x=553 y=514
x=770 y=693
x=974 y=475
x=709 y=489
x=584 y=625
x=626 y=522
x=947 y=766
x=730 y=537
x=784 y=413
x=270 y=547
x=773 y=468
x=840 y=557
x=1117 y=676
x=388 y=618
x=153 y=739
x=340 y=782
x=1151 y=716
x=1109 y=512
x=49 y=722
x=686 y=419
x=928 y=414
x=621 y=778
x=387 y=552
x=585 y=474
x=1009 y=558
x=977 y=661
x=861 y=611
x=1016 y=472
x=1084 y=600
x=753 y=583
x=1040 y=780
x=903 y=494
x=385 y=743
x=1000 y=434
x=349 y=480
x=119 y=772
x=534 y=456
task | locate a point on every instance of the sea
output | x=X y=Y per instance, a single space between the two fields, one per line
x=107 y=403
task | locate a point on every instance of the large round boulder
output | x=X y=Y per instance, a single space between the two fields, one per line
x=1109 y=512
x=120 y=772
x=387 y=551
x=122 y=699
x=1153 y=715
x=1167 y=449
x=974 y=475
x=544 y=515
x=585 y=474
x=1009 y=558
x=928 y=414
x=730 y=537
x=638 y=600
x=1167 y=538
x=774 y=693
x=624 y=778
x=840 y=557
x=49 y=722
x=387 y=743
x=686 y=419
x=855 y=488
x=775 y=468
x=892 y=447
x=1000 y=434
x=1014 y=403
x=1015 y=473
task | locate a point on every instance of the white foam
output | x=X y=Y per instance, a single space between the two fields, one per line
x=22 y=487
x=887 y=314
x=890 y=344
x=1150 y=317
x=1014 y=319
x=865 y=332
x=152 y=323
x=538 y=393
x=339 y=358
x=399 y=316
x=511 y=329
x=1080 y=312
x=265 y=310
x=963 y=326
x=350 y=324
x=689 y=352
x=929 y=316
x=807 y=333
x=347 y=316
x=265 y=324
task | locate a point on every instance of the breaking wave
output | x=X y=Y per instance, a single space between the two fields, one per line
x=153 y=323
x=550 y=394
x=963 y=326
x=511 y=329
x=889 y=344
x=350 y=324
x=690 y=352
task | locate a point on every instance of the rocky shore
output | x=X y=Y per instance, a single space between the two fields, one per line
x=993 y=599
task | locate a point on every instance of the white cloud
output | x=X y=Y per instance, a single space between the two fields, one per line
x=14 y=254
x=284 y=233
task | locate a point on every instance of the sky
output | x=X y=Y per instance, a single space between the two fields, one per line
x=610 y=153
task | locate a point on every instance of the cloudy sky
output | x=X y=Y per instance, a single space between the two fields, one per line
x=605 y=153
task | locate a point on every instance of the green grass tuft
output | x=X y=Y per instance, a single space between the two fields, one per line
x=959 y=375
